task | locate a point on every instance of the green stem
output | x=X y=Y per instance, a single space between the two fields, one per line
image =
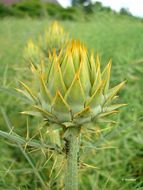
x=72 y=148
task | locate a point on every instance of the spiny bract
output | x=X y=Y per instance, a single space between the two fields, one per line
x=72 y=90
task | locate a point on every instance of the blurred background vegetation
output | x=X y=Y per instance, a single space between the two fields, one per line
x=114 y=153
x=40 y=8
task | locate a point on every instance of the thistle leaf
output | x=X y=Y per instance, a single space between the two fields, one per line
x=56 y=82
x=75 y=49
x=45 y=113
x=84 y=78
x=84 y=113
x=32 y=113
x=44 y=91
x=97 y=97
x=28 y=90
x=97 y=63
x=93 y=68
x=60 y=108
x=107 y=113
x=68 y=69
x=97 y=76
x=106 y=76
x=26 y=94
x=113 y=107
x=113 y=91
x=75 y=95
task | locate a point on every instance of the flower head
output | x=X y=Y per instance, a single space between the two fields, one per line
x=72 y=89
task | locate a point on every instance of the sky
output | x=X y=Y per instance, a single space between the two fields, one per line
x=134 y=6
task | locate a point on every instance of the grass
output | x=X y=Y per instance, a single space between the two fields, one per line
x=116 y=153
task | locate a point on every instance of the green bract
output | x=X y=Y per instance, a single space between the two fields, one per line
x=71 y=89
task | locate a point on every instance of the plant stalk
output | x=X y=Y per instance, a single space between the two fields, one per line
x=72 y=148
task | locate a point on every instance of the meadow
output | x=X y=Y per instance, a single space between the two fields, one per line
x=115 y=159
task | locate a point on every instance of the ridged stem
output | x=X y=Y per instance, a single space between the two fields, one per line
x=72 y=148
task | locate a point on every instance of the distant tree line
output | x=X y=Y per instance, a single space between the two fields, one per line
x=80 y=2
x=37 y=8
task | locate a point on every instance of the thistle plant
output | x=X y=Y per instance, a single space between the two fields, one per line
x=33 y=53
x=71 y=91
x=54 y=38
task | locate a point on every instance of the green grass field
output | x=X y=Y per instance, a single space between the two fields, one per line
x=116 y=153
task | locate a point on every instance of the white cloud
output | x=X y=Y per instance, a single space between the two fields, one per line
x=134 y=6
x=65 y=3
